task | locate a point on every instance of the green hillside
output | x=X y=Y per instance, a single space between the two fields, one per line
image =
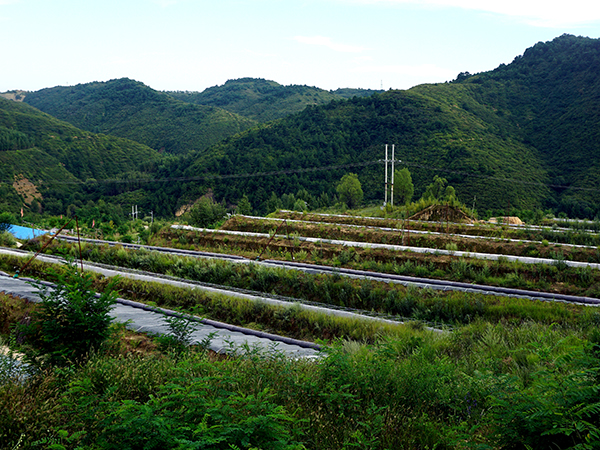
x=524 y=135
x=132 y=110
x=552 y=95
x=351 y=92
x=264 y=100
x=56 y=157
x=439 y=129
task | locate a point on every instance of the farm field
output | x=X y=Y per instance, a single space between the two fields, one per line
x=552 y=272
x=218 y=283
x=460 y=369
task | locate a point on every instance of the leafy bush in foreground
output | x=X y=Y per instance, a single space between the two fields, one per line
x=481 y=386
x=72 y=320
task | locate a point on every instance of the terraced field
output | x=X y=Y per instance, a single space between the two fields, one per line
x=436 y=345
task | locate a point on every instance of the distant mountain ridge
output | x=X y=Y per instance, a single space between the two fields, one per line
x=524 y=135
x=264 y=100
x=130 y=109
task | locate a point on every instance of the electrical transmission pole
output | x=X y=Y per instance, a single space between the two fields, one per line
x=386 y=175
x=392 y=188
x=387 y=160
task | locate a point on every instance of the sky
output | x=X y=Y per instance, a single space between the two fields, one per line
x=190 y=45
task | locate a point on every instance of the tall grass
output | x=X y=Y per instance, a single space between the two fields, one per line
x=407 y=389
x=416 y=390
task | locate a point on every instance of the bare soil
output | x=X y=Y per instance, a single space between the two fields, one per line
x=26 y=189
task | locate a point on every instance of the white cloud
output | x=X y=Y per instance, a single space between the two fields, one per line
x=327 y=42
x=542 y=13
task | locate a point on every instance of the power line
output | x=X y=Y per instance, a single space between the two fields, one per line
x=312 y=169
x=215 y=176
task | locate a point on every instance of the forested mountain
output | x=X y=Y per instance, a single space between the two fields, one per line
x=58 y=160
x=437 y=130
x=524 y=135
x=264 y=100
x=132 y=110
x=551 y=95
x=351 y=92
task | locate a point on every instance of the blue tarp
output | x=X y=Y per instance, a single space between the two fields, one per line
x=25 y=233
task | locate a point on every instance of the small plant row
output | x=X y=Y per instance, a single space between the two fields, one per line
x=557 y=277
x=432 y=306
x=405 y=237
x=291 y=321
x=553 y=233
x=583 y=225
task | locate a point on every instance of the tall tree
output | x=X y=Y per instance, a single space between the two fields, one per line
x=244 y=206
x=403 y=186
x=206 y=212
x=350 y=190
x=440 y=190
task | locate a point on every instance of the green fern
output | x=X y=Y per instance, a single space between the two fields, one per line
x=559 y=409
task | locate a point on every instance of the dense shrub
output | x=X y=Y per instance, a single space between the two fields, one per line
x=71 y=320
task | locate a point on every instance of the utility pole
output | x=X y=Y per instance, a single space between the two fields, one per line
x=392 y=189
x=134 y=212
x=386 y=175
x=387 y=160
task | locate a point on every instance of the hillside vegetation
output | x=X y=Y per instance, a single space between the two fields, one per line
x=57 y=157
x=132 y=110
x=264 y=100
x=524 y=136
x=551 y=95
x=442 y=130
